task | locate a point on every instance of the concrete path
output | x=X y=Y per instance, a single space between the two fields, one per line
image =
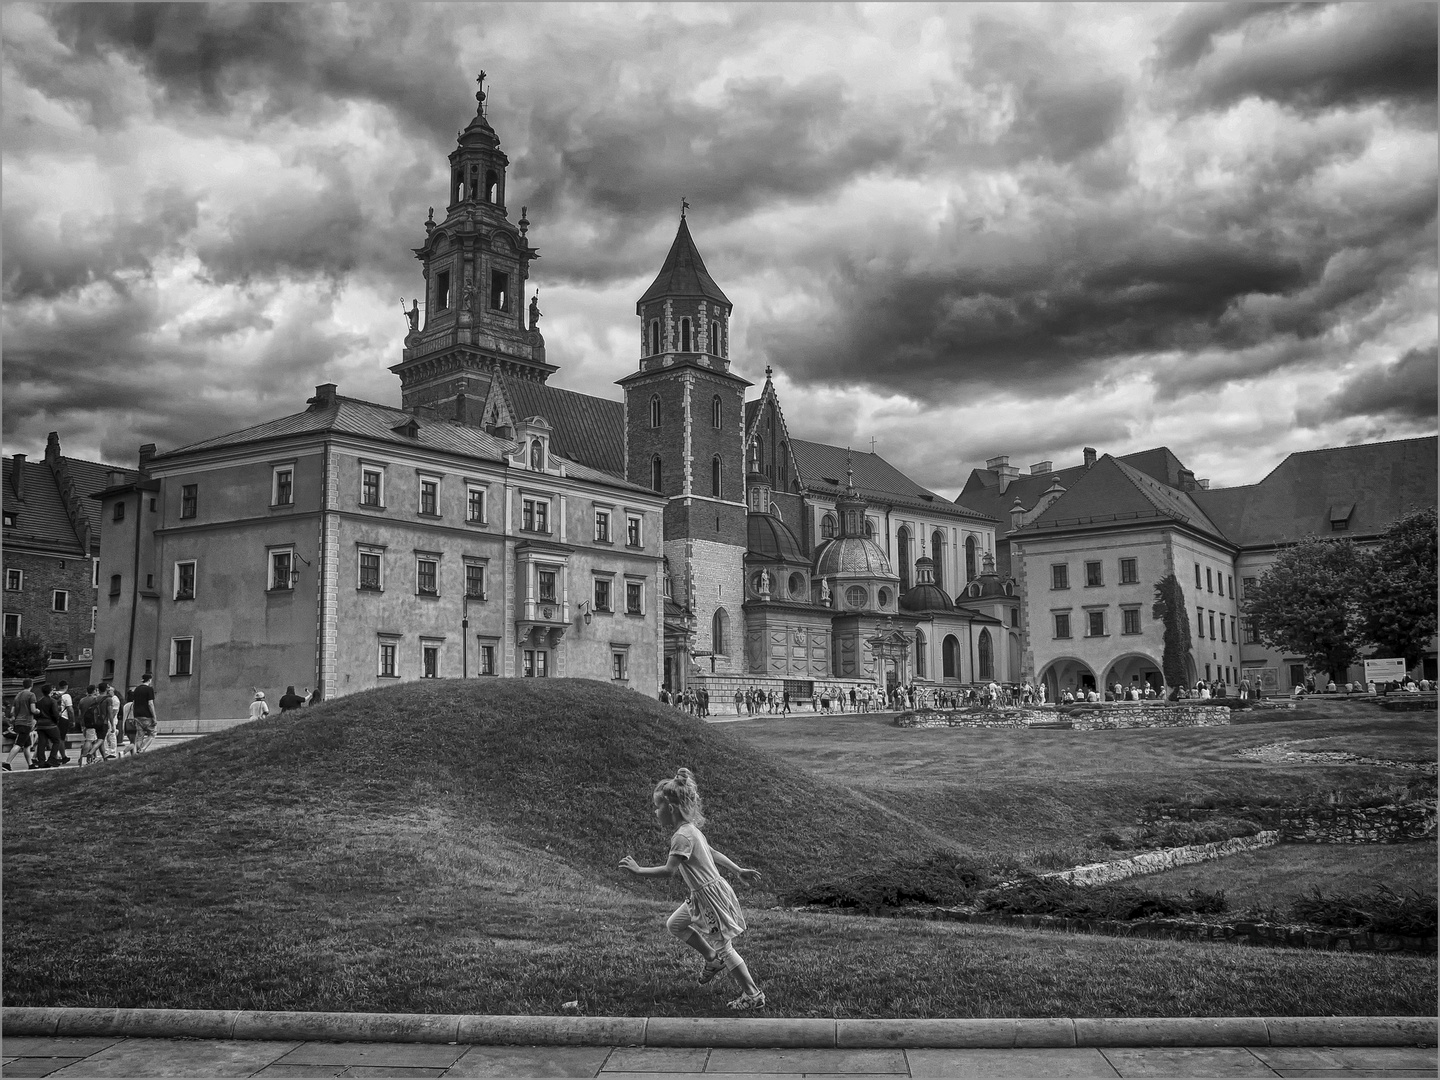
x=117 y=1056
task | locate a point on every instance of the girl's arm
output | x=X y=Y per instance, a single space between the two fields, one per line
x=724 y=862
x=671 y=866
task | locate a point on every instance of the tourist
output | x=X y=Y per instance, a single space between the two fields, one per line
x=712 y=906
x=144 y=701
x=47 y=727
x=258 y=709
x=66 y=705
x=85 y=710
x=111 y=707
x=24 y=721
x=1330 y=687
x=1245 y=688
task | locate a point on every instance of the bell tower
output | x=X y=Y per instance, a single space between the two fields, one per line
x=472 y=321
x=685 y=437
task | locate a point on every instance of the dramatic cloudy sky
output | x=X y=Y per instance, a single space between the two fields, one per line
x=964 y=230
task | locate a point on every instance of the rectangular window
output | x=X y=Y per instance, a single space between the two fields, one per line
x=1200 y=621
x=430 y=498
x=282 y=575
x=602 y=526
x=10 y=519
x=1096 y=623
x=114 y=584
x=95 y=573
x=370 y=571
x=442 y=290
x=1248 y=583
x=1062 y=624
x=1130 y=620
x=119 y=514
x=426 y=583
x=475 y=581
x=189 y=500
x=499 y=291
x=632 y=530
x=181 y=655
x=12 y=624
x=487 y=659
x=619 y=671
x=634 y=597
x=1231 y=580
x=475 y=504
x=1251 y=637
x=1059 y=576
x=109 y=669
x=387 y=660
x=1197 y=575
x=1129 y=572
x=535 y=515
x=602 y=594
x=1014 y=616
x=282 y=491
x=1212 y=626
x=185 y=580
x=60 y=600
x=1222 y=628
x=1093 y=576
x=14 y=580
x=547 y=585
x=372 y=487
x=430 y=661
x=1232 y=629
x=1209 y=585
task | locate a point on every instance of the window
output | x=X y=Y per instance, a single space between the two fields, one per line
x=619 y=670
x=602 y=526
x=1222 y=628
x=1230 y=578
x=282 y=572
x=986 y=655
x=654 y=336
x=10 y=519
x=536 y=663
x=1014 y=616
x=1209 y=583
x=1197 y=575
x=442 y=290
x=12 y=624
x=720 y=632
x=684 y=335
x=189 y=500
x=475 y=505
x=185 y=580
x=487 y=659
x=1338 y=525
x=94 y=618
x=970 y=562
x=602 y=594
x=372 y=487
x=547 y=585
x=119 y=514
x=655 y=473
x=1212 y=626
x=535 y=515
x=920 y=654
x=715 y=341
x=827 y=527
x=1233 y=636
x=634 y=597
x=1130 y=621
x=14 y=580
x=1093 y=576
x=492 y=186
x=109 y=669
x=715 y=477
x=370 y=571
x=1095 y=624
x=475 y=581
x=387 y=660
x=114 y=584
x=1128 y=572
x=181 y=655
x=632 y=530
x=950 y=657
x=715 y=410
x=856 y=596
x=655 y=410
x=426 y=577
x=1200 y=621
x=499 y=291
x=1251 y=637
x=1248 y=584
x=1059 y=576
x=430 y=498
x=95 y=573
x=430 y=661
x=282 y=486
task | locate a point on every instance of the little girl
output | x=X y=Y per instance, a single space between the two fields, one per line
x=712 y=906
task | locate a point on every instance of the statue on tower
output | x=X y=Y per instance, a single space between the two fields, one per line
x=535 y=311
x=413 y=315
x=825 y=591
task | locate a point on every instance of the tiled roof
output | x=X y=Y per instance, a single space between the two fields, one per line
x=822 y=470
x=683 y=273
x=89 y=477
x=590 y=430
x=1382 y=480
x=41 y=518
x=1114 y=492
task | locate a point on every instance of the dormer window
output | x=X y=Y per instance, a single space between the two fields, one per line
x=499 y=291
x=684 y=335
x=537 y=456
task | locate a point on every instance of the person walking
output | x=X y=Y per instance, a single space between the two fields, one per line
x=85 y=710
x=712 y=906
x=47 y=727
x=290 y=701
x=68 y=720
x=24 y=725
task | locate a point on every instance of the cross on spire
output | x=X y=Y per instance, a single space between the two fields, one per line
x=480 y=94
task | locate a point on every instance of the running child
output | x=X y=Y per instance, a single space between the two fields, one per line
x=712 y=907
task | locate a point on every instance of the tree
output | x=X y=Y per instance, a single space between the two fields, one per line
x=1170 y=608
x=1307 y=603
x=1397 y=598
x=25 y=656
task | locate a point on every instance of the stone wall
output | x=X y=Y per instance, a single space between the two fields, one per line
x=1088 y=718
x=1394 y=824
x=1152 y=862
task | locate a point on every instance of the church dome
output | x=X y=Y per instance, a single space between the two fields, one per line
x=988 y=584
x=852 y=555
x=767 y=537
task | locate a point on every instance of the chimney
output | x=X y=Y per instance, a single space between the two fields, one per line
x=1204 y=484
x=1187 y=480
x=994 y=464
x=1040 y=468
x=17 y=478
x=1003 y=469
x=1089 y=457
x=147 y=451
x=324 y=396
x=52 y=446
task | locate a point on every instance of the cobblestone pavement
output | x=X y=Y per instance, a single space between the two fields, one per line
x=106 y=1057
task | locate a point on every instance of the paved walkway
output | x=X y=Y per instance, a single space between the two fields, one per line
x=107 y=1056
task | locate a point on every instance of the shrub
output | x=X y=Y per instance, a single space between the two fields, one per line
x=1047 y=896
x=940 y=877
x=1382 y=910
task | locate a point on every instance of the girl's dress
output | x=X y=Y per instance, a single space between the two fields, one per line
x=714 y=907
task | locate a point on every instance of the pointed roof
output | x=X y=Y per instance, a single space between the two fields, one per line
x=683 y=273
x=1113 y=492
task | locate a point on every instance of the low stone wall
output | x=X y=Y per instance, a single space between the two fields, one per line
x=1143 y=715
x=1152 y=862
x=1393 y=824
x=975 y=718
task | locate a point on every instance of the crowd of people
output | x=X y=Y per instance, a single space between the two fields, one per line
x=44 y=715
x=834 y=698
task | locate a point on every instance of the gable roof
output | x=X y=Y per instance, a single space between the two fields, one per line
x=822 y=470
x=1382 y=480
x=589 y=430
x=1113 y=492
x=683 y=273
x=41 y=518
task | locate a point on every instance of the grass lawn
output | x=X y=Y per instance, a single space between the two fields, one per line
x=452 y=847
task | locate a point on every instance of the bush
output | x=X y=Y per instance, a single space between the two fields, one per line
x=1047 y=896
x=1381 y=910
x=939 y=878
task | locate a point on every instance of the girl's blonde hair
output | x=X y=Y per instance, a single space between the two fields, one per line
x=683 y=794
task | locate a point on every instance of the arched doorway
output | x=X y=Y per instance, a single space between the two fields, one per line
x=1066 y=673
x=985 y=655
x=1134 y=669
x=950 y=657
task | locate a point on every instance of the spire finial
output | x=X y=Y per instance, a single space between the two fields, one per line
x=480 y=94
x=767 y=372
x=684 y=205
x=849 y=469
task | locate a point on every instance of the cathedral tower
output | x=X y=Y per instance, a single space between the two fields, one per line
x=685 y=437
x=473 y=321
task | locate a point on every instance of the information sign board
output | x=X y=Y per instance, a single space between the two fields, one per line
x=1385 y=670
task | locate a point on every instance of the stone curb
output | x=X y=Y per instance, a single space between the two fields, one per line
x=738 y=1032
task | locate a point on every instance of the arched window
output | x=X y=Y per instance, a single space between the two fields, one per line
x=655 y=476
x=457 y=183
x=780 y=457
x=715 y=412
x=720 y=633
x=714 y=339
x=474 y=181
x=902 y=545
x=684 y=335
x=715 y=476
x=654 y=336
x=937 y=552
x=655 y=410
x=492 y=187
x=869 y=529
x=950 y=657
x=920 y=654
x=827 y=527
x=986 y=653
x=969 y=558
x=537 y=455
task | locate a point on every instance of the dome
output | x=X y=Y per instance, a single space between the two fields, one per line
x=927 y=597
x=988 y=584
x=852 y=555
x=770 y=538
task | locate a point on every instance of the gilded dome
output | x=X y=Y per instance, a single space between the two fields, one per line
x=767 y=537
x=852 y=555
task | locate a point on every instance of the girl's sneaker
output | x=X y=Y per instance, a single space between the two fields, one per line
x=749 y=1001
x=712 y=968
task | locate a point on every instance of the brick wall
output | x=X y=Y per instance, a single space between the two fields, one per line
x=44 y=574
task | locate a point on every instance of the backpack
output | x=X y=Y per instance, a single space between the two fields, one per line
x=89 y=711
